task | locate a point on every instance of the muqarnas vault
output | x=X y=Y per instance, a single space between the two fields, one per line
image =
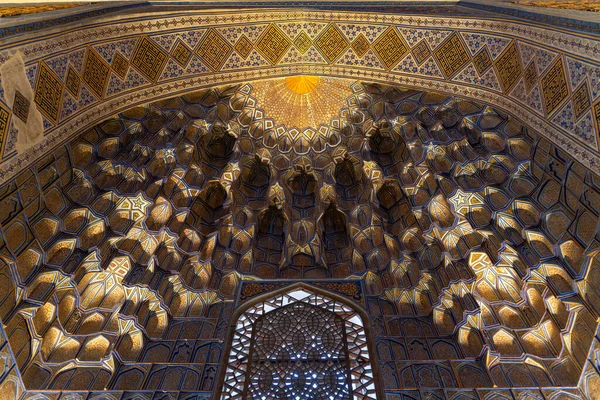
x=255 y=208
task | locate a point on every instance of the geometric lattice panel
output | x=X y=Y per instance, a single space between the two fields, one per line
x=314 y=347
x=148 y=58
x=4 y=126
x=273 y=43
x=508 y=67
x=554 y=86
x=48 y=92
x=390 y=47
x=213 y=49
x=331 y=43
x=95 y=72
x=452 y=55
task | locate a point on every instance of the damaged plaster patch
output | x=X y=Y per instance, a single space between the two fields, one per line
x=14 y=78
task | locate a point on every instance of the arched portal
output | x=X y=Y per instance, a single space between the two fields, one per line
x=444 y=155
x=97 y=70
x=299 y=344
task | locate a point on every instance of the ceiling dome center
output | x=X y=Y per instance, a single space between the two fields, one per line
x=302 y=84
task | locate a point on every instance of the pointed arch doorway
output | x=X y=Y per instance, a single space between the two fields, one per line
x=299 y=343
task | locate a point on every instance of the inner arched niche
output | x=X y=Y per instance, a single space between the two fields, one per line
x=473 y=237
x=299 y=343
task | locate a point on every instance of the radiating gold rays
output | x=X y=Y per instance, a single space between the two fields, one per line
x=302 y=101
x=302 y=84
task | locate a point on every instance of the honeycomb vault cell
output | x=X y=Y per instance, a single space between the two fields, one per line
x=122 y=252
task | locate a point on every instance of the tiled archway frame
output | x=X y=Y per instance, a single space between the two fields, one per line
x=545 y=76
x=361 y=370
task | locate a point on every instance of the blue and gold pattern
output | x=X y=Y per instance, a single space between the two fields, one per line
x=530 y=76
x=452 y=56
x=211 y=65
x=120 y=65
x=249 y=290
x=597 y=115
x=352 y=289
x=4 y=126
x=470 y=85
x=508 y=67
x=48 y=92
x=581 y=100
x=273 y=44
x=21 y=106
x=332 y=43
x=73 y=81
x=213 y=50
x=360 y=45
x=302 y=42
x=95 y=72
x=181 y=53
x=554 y=86
x=482 y=60
x=243 y=47
x=390 y=47
x=421 y=52
x=148 y=58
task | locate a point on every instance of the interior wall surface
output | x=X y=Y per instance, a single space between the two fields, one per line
x=119 y=276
